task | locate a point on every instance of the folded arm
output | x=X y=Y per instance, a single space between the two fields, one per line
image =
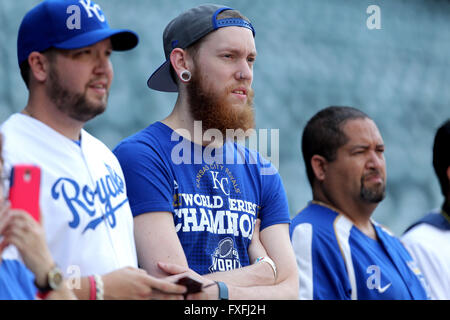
x=277 y=244
x=157 y=241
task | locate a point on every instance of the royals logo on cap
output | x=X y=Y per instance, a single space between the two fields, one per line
x=68 y=24
x=74 y=20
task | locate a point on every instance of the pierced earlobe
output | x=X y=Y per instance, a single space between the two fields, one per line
x=185 y=76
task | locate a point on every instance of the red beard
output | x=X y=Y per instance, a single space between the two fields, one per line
x=214 y=109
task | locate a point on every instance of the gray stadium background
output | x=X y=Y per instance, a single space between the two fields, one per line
x=311 y=54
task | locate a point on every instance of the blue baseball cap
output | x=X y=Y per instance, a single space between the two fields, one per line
x=185 y=30
x=68 y=24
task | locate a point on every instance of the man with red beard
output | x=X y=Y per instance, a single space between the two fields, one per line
x=341 y=252
x=203 y=204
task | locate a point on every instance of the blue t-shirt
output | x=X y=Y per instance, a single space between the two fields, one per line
x=16 y=281
x=337 y=261
x=215 y=195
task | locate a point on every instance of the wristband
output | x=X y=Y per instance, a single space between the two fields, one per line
x=43 y=296
x=223 y=290
x=270 y=262
x=99 y=293
x=93 y=288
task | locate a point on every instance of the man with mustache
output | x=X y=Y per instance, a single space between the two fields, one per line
x=64 y=50
x=341 y=252
x=196 y=195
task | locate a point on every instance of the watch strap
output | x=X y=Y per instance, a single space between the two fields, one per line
x=43 y=290
x=52 y=282
x=223 y=290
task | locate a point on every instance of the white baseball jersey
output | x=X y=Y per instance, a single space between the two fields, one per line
x=429 y=246
x=83 y=199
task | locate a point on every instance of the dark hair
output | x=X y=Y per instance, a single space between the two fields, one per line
x=441 y=156
x=25 y=66
x=323 y=134
x=193 y=49
x=25 y=73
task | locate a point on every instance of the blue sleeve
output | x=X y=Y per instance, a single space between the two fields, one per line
x=149 y=181
x=27 y=282
x=274 y=208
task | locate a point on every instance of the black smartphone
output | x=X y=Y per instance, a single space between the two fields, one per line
x=193 y=286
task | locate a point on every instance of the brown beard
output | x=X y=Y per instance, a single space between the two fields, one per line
x=75 y=105
x=213 y=109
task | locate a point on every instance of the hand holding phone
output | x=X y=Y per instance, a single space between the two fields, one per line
x=193 y=286
x=24 y=189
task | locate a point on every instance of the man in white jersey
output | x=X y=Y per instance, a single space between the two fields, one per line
x=427 y=239
x=64 y=52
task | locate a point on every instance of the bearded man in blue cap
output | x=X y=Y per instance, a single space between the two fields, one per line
x=64 y=50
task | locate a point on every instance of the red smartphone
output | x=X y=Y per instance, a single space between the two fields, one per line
x=24 y=189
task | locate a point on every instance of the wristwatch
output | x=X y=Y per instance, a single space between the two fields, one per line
x=54 y=280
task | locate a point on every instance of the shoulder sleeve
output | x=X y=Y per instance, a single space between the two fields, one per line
x=274 y=207
x=148 y=180
x=430 y=262
x=18 y=279
x=27 y=281
x=321 y=269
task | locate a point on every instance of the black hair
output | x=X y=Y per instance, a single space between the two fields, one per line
x=25 y=66
x=25 y=73
x=441 y=156
x=323 y=134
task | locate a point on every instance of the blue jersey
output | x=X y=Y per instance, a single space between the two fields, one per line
x=337 y=261
x=16 y=280
x=215 y=195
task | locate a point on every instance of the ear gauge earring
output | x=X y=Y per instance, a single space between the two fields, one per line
x=185 y=76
